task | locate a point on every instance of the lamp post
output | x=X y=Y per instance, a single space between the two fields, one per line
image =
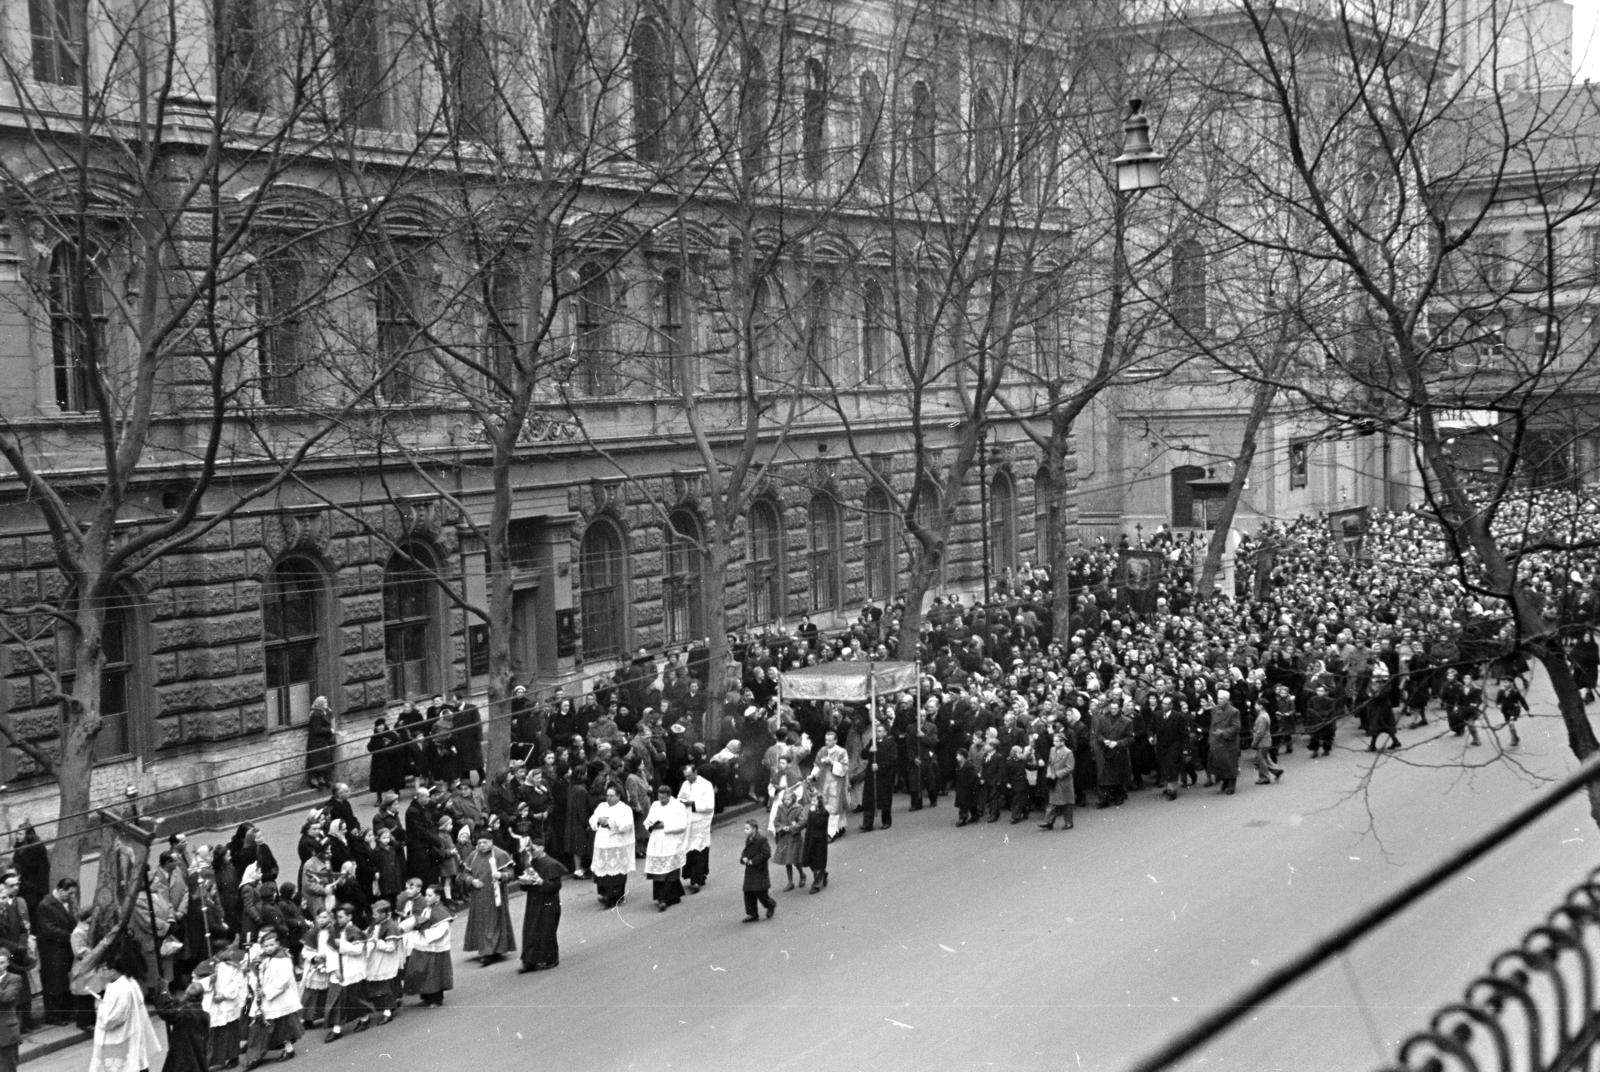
x=1139 y=166
x=983 y=506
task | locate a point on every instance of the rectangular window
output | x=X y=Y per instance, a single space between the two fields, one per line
x=59 y=40
x=1488 y=255
x=1536 y=272
x=523 y=536
x=401 y=327
x=874 y=342
x=405 y=654
x=503 y=327
x=282 y=355
x=1299 y=462
x=241 y=66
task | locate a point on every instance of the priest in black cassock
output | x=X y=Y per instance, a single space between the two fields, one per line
x=541 y=916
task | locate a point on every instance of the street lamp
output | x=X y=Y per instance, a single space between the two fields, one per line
x=1139 y=166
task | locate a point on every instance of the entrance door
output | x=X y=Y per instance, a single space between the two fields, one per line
x=524 y=634
x=1183 y=516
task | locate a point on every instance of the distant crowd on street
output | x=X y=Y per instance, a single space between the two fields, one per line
x=242 y=948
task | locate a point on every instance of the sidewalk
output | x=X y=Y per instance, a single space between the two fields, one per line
x=281 y=831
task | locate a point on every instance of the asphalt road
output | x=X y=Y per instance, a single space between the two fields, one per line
x=1003 y=946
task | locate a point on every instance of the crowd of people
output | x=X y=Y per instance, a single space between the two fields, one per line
x=1156 y=688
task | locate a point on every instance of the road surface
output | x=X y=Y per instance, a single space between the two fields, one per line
x=1003 y=946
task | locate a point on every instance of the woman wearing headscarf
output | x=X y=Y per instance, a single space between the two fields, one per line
x=788 y=825
x=320 y=743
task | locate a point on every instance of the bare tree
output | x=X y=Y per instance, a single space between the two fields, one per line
x=182 y=189
x=1449 y=204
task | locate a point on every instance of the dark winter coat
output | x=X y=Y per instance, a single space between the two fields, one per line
x=757 y=851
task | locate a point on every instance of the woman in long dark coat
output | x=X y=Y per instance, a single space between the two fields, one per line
x=577 y=821
x=816 y=837
x=390 y=762
x=32 y=862
x=541 y=913
x=1084 y=776
x=1586 y=665
x=320 y=742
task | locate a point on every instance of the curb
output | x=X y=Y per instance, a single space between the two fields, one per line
x=63 y=1038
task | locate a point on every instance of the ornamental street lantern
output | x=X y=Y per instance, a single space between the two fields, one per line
x=1139 y=166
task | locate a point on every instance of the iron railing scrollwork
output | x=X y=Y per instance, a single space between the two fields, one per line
x=1533 y=1011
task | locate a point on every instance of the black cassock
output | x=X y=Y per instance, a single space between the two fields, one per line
x=541 y=913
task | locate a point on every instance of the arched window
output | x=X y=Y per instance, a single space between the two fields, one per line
x=684 y=585
x=280 y=292
x=677 y=371
x=1030 y=153
x=764 y=566
x=1002 y=523
x=880 y=553
x=755 y=113
x=874 y=333
x=597 y=365
x=650 y=92
x=567 y=104
x=603 y=584
x=819 y=333
x=59 y=40
x=924 y=127
x=410 y=623
x=77 y=324
x=292 y=619
x=825 y=545
x=985 y=138
x=871 y=121
x=1189 y=308
x=814 y=120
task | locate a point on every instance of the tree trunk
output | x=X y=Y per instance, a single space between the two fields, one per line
x=923 y=569
x=716 y=608
x=80 y=724
x=497 y=755
x=1059 y=488
x=1471 y=523
x=1266 y=391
